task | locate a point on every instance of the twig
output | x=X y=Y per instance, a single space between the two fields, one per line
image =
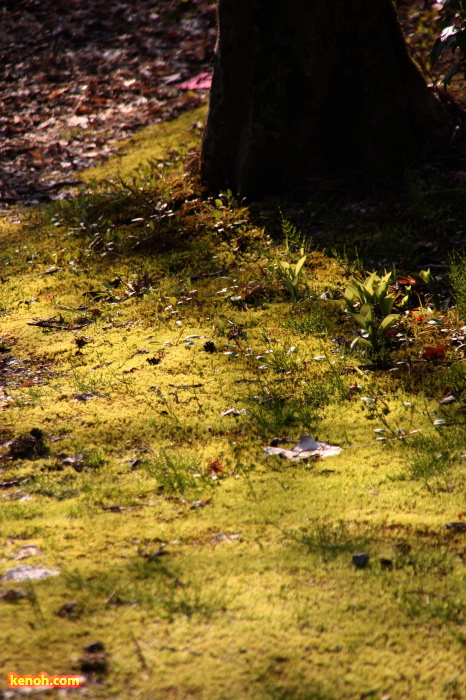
x=207 y=274
x=139 y=653
x=122 y=588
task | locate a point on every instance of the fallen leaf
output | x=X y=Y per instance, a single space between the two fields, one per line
x=203 y=81
x=434 y=353
x=13 y=594
x=75 y=461
x=386 y=563
x=8 y=483
x=185 y=386
x=71 y=610
x=307 y=447
x=407 y=280
x=216 y=467
x=29 y=550
x=222 y=537
x=28 y=573
x=201 y=503
x=86 y=396
x=234 y=412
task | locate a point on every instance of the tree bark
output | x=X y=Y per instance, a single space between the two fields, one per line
x=311 y=92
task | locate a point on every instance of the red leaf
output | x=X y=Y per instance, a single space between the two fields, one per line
x=203 y=81
x=407 y=280
x=216 y=467
x=436 y=353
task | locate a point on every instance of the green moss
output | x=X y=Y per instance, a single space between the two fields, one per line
x=208 y=570
x=159 y=144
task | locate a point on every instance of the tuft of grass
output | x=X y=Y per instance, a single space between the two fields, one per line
x=176 y=474
x=315 y=318
x=330 y=540
x=94 y=458
x=435 y=456
x=273 y=413
x=457 y=276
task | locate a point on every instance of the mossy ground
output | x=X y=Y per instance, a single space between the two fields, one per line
x=206 y=569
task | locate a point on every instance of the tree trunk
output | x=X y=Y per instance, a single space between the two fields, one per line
x=311 y=92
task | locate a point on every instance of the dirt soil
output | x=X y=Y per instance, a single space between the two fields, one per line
x=77 y=76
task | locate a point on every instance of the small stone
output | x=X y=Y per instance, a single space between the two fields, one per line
x=456 y=527
x=360 y=560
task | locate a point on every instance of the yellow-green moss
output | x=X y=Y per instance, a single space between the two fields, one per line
x=256 y=596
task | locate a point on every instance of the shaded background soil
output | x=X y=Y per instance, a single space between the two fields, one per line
x=78 y=75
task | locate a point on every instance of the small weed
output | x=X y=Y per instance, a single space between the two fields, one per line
x=59 y=489
x=451 y=39
x=317 y=318
x=175 y=473
x=458 y=281
x=285 y=359
x=371 y=307
x=93 y=458
x=159 y=588
x=291 y=274
x=330 y=540
x=295 y=240
x=273 y=414
x=431 y=589
x=445 y=608
x=428 y=278
x=435 y=457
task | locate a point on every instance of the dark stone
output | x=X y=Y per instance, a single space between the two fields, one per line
x=456 y=527
x=94 y=647
x=360 y=560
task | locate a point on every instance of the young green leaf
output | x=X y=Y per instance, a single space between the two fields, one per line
x=388 y=322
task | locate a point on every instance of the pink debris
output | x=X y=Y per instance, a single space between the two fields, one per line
x=203 y=81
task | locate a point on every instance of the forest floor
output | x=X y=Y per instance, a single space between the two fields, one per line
x=154 y=345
